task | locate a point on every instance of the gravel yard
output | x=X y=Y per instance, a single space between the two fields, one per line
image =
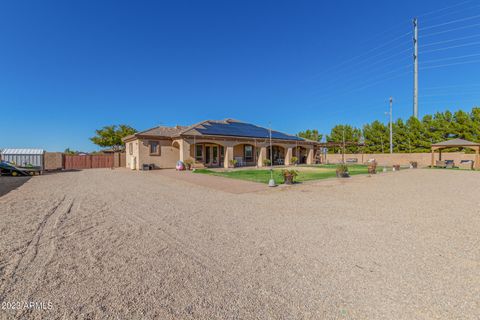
x=116 y=244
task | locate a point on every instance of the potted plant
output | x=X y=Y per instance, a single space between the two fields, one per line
x=233 y=163
x=372 y=167
x=289 y=176
x=294 y=160
x=342 y=171
x=266 y=162
x=188 y=164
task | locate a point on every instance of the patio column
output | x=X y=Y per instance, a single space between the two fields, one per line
x=228 y=156
x=288 y=156
x=262 y=155
x=184 y=150
x=433 y=158
x=310 y=156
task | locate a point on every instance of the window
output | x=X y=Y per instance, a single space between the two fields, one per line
x=199 y=152
x=248 y=153
x=130 y=148
x=154 y=148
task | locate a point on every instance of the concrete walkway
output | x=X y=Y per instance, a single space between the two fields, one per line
x=234 y=186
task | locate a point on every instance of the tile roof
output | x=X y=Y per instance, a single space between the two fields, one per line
x=163 y=131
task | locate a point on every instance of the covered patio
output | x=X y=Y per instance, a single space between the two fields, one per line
x=456 y=143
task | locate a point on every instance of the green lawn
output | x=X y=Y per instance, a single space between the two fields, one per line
x=263 y=175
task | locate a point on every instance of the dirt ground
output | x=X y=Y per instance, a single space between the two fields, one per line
x=116 y=244
x=8 y=183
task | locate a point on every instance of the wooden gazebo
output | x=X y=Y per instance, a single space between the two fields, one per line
x=456 y=143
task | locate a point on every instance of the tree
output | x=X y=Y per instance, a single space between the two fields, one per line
x=475 y=115
x=376 y=137
x=400 y=138
x=417 y=137
x=311 y=135
x=111 y=136
x=347 y=133
x=411 y=136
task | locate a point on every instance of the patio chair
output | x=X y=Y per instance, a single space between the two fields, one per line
x=240 y=161
x=466 y=164
x=449 y=164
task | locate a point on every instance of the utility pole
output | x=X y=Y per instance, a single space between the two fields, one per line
x=391 y=125
x=415 y=68
x=271 y=182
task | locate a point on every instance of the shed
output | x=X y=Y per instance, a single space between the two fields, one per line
x=24 y=157
x=457 y=143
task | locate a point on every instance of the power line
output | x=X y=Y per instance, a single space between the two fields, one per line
x=452 y=58
x=474 y=101
x=449 y=94
x=450 y=30
x=453 y=86
x=451 y=22
x=368 y=68
x=343 y=63
x=451 y=47
x=449 y=64
x=452 y=13
x=451 y=40
x=443 y=9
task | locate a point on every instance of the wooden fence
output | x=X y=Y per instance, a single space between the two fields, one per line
x=88 y=161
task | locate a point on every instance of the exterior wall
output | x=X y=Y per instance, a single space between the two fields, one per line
x=53 y=161
x=385 y=159
x=183 y=149
x=238 y=150
x=168 y=157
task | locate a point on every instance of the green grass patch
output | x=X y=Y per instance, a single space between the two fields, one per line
x=263 y=175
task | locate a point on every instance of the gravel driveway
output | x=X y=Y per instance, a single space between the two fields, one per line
x=116 y=244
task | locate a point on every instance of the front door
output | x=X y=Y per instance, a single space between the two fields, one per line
x=211 y=156
x=215 y=156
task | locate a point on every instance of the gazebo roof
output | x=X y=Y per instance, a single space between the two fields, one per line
x=456 y=143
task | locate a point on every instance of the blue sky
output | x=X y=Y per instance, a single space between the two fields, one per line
x=69 y=67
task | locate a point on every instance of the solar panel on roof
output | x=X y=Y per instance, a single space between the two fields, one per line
x=241 y=129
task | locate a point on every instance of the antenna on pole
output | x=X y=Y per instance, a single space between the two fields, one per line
x=415 y=68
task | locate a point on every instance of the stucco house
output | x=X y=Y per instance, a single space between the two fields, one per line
x=213 y=143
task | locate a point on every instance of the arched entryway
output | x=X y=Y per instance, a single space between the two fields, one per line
x=209 y=154
x=276 y=154
x=301 y=153
x=245 y=154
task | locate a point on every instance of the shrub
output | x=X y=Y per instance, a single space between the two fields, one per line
x=266 y=162
x=233 y=163
x=342 y=171
x=188 y=164
x=294 y=160
x=289 y=176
